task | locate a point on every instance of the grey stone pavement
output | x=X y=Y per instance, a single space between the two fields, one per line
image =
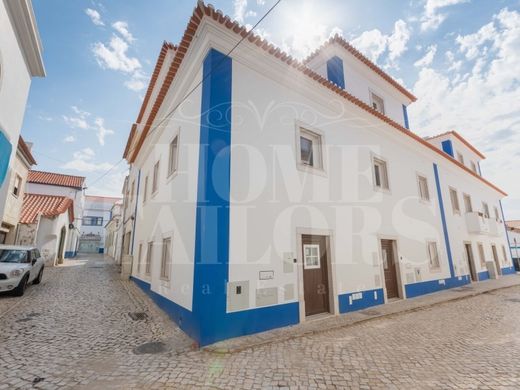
x=73 y=331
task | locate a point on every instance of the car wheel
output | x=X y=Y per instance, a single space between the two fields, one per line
x=39 y=277
x=20 y=289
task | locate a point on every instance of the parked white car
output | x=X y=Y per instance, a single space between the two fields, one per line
x=19 y=266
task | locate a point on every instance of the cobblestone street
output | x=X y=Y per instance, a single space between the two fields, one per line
x=74 y=331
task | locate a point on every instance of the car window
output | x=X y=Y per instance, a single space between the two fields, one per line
x=13 y=256
x=37 y=253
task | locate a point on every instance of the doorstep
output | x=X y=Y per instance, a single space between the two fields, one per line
x=327 y=323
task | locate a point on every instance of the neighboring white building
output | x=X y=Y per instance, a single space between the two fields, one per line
x=281 y=189
x=69 y=186
x=20 y=60
x=114 y=231
x=513 y=233
x=97 y=212
x=46 y=221
x=22 y=163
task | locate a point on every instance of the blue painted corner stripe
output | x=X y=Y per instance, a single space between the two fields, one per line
x=405 y=115
x=505 y=229
x=443 y=218
x=5 y=155
x=335 y=71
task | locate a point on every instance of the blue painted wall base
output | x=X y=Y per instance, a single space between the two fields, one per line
x=484 y=275
x=69 y=254
x=421 y=288
x=508 y=270
x=368 y=298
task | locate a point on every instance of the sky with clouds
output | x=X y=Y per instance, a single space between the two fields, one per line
x=461 y=58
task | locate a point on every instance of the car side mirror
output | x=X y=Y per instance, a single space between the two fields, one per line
x=33 y=262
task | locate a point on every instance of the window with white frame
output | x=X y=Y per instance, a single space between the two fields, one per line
x=172 y=158
x=433 y=255
x=17 y=185
x=155 y=180
x=139 y=254
x=145 y=189
x=377 y=102
x=481 y=254
x=485 y=209
x=166 y=258
x=149 y=254
x=497 y=214
x=311 y=256
x=460 y=157
x=380 y=174
x=474 y=167
x=468 y=207
x=132 y=192
x=454 y=201
x=311 y=149
x=424 y=193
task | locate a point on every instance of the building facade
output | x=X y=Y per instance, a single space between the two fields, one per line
x=279 y=189
x=113 y=232
x=97 y=213
x=513 y=234
x=68 y=186
x=20 y=61
x=22 y=163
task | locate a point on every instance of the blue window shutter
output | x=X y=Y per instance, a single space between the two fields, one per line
x=405 y=115
x=5 y=156
x=447 y=147
x=335 y=71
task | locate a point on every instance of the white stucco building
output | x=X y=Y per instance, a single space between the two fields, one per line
x=114 y=232
x=97 y=212
x=279 y=189
x=22 y=163
x=513 y=234
x=60 y=185
x=20 y=61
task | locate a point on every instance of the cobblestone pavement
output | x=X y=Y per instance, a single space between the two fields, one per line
x=74 y=331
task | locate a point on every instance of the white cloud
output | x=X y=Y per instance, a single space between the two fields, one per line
x=250 y=14
x=480 y=103
x=122 y=28
x=372 y=43
x=471 y=43
x=82 y=160
x=69 y=139
x=76 y=122
x=81 y=121
x=137 y=82
x=432 y=17
x=114 y=56
x=428 y=57
x=398 y=40
x=239 y=10
x=101 y=130
x=94 y=16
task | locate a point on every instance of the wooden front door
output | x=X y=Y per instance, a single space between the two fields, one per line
x=471 y=263
x=389 y=266
x=495 y=257
x=315 y=274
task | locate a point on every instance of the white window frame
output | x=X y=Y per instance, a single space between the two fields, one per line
x=464 y=197
x=454 y=207
x=460 y=157
x=149 y=254
x=173 y=156
x=481 y=254
x=373 y=99
x=155 y=177
x=385 y=179
x=474 y=167
x=497 y=214
x=485 y=210
x=18 y=187
x=423 y=178
x=306 y=257
x=318 y=149
x=429 y=246
x=166 y=259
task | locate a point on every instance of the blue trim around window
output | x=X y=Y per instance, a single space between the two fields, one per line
x=335 y=73
x=443 y=219
x=447 y=147
x=405 y=116
x=5 y=155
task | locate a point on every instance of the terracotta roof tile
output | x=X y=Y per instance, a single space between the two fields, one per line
x=55 y=179
x=46 y=205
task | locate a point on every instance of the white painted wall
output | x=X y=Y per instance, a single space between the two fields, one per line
x=458 y=148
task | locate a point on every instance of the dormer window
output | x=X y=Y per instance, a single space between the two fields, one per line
x=377 y=103
x=460 y=157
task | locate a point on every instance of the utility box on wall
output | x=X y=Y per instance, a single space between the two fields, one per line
x=238 y=296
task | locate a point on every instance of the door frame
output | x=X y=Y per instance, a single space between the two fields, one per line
x=331 y=269
x=496 y=259
x=401 y=291
x=471 y=262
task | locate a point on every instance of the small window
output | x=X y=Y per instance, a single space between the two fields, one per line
x=17 y=185
x=145 y=189
x=424 y=193
x=497 y=215
x=485 y=209
x=468 y=207
x=139 y=253
x=311 y=256
x=165 y=258
x=460 y=157
x=310 y=149
x=506 y=261
x=93 y=221
x=481 y=254
x=380 y=174
x=155 y=182
x=149 y=254
x=474 y=167
x=433 y=255
x=132 y=192
x=378 y=103
x=454 y=201
x=172 y=160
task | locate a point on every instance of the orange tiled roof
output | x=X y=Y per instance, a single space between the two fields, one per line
x=56 y=179
x=202 y=10
x=26 y=151
x=356 y=53
x=46 y=205
x=461 y=139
